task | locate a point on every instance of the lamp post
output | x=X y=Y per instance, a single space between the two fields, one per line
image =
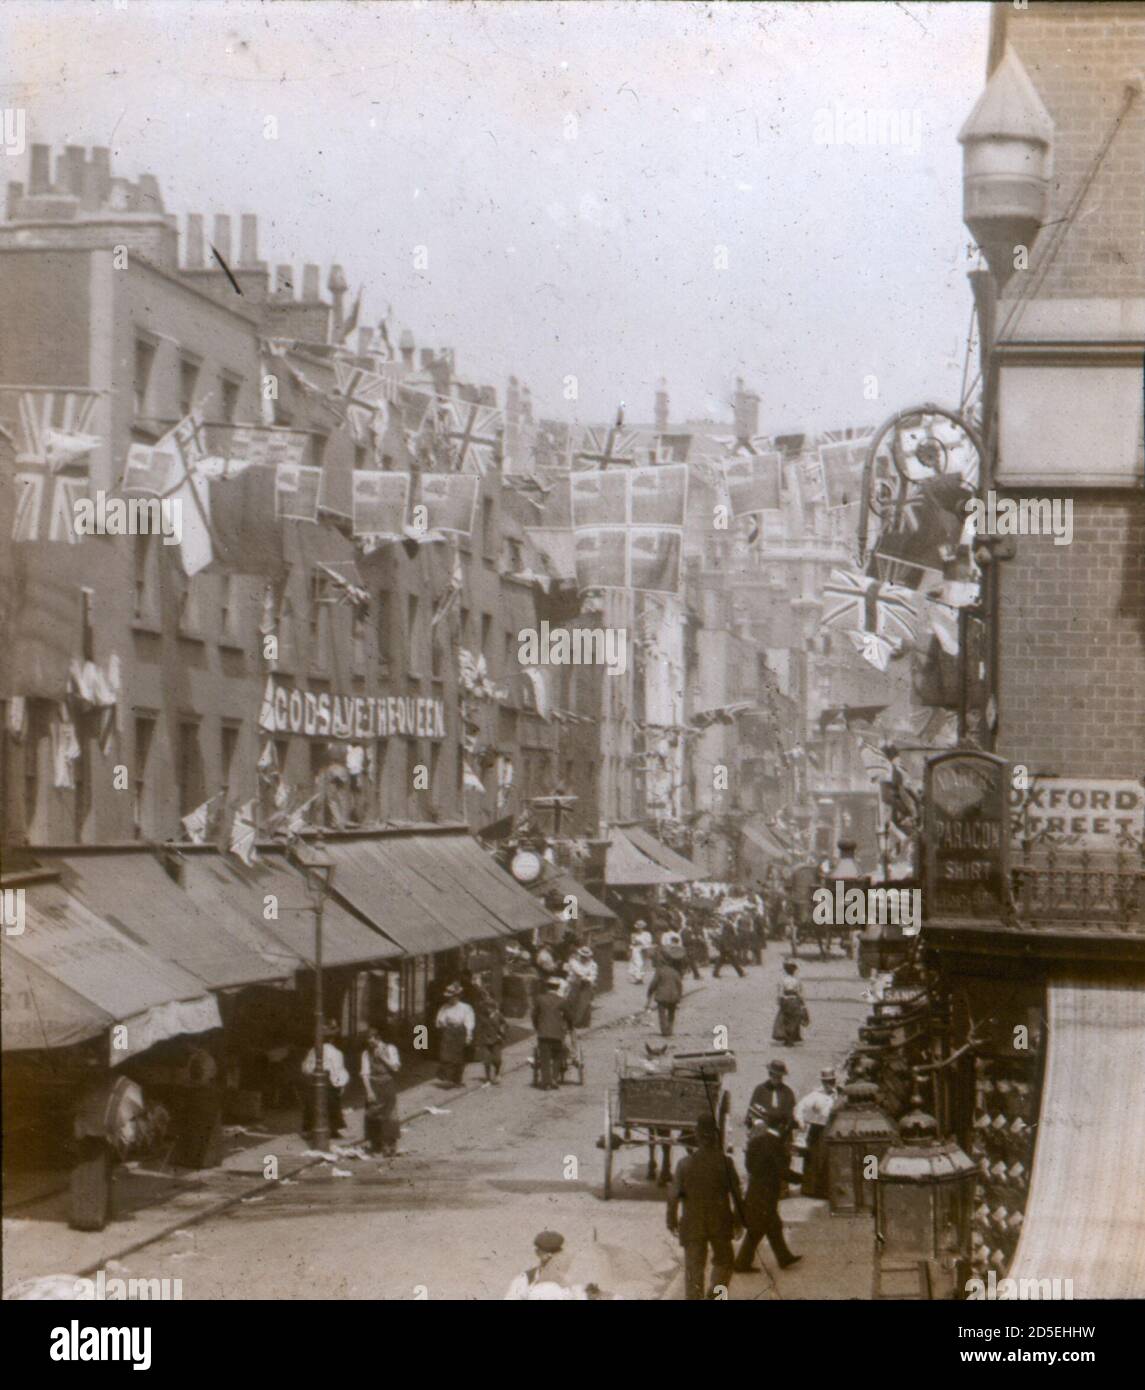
x=318 y=870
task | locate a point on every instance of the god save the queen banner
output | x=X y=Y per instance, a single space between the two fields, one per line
x=321 y=714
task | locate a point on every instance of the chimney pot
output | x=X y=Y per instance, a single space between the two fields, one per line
x=101 y=162
x=311 y=284
x=222 y=241
x=40 y=171
x=150 y=199
x=284 y=281
x=248 y=240
x=71 y=174
x=194 y=241
x=91 y=200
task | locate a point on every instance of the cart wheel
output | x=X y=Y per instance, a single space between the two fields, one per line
x=607 y=1145
x=722 y=1110
x=91 y=1187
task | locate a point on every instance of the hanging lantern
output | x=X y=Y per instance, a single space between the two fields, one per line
x=923 y=1205
x=1006 y=144
x=857 y=1131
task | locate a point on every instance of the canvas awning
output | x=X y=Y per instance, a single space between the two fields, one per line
x=432 y=892
x=1084 y=1220
x=138 y=898
x=626 y=867
x=760 y=841
x=70 y=975
x=245 y=896
x=588 y=904
x=660 y=854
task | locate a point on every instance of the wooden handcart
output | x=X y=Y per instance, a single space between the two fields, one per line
x=660 y=1107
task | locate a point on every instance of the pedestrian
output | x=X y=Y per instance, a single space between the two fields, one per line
x=337 y=1079
x=547 y=961
x=639 y=946
x=791 y=1015
x=758 y=928
x=582 y=972
x=489 y=1037
x=551 y=1023
x=766 y=1162
x=547 y=1245
x=379 y=1069
x=695 y=947
x=773 y=1101
x=456 y=1024
x=812 y=1114
x=200 y=1109
x=667 y=988
x=727 y=944
x=745 y=937
x=704 y=1211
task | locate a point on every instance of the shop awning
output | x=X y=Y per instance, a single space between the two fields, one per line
x=138 y=898
x=660 y=854
x=588 y=905
x=1084 y=1219
x=626 y=867
x=73 y=975
x=762 y=842
x=224 y=885
x=432 y=892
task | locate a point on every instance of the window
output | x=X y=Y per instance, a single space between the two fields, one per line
x=140 y=807
x=382 y=633
x=411 y=631
x=486 y=634
x=146 y=579
x=189 y=781
x=510 y=654
x=228 y=745
x=189 y=616
x=319 y=756
x=464 y=626
x=281 y=753
x=229 y=389
x=358 y=628
x=33 y=734
x=437 y=651
x=141 y=373
x=229 y=609
x=488 y=530
x=188 y=381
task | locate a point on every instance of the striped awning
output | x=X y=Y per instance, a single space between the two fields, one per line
x=627 y=867
x=1085 y=1218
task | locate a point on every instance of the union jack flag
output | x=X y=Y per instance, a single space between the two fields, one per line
x=362 y=394
x=473 y=432
x=51 y=442
x=601 y=447
x=870 y=603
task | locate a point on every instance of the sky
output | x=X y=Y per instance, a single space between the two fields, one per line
x=589 y=196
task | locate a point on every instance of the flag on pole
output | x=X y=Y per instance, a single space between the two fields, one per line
x=243 y=831
x=473 y=783
x=870 y=603
x=473 y=432
x=600 y=447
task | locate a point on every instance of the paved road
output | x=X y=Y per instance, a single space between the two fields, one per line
x=454 y=1215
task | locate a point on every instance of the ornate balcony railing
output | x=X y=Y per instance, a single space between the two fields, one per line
x=1080 y=893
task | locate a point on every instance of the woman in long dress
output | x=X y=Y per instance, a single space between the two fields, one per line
x=641 y=944
x=792 y=1012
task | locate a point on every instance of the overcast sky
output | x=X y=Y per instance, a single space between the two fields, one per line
x=611 y=192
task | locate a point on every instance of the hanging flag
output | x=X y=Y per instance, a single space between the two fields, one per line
x=195 y=824
x=842 y=467
x=351 y=319
x=379 y=502
x=296 y=492
x=28 y=522
x=873 y=648
x=672 y=448
x=362 y=394
x=600 y=447
x=753 y=484
x=473 y=783
x=248 y=534
x=601 y=558
x=51 y=428
x=243 y=831
x=473 y=432
x=654 y=559
x=942 y=621
x=657 y=496
x=868 y=603
x=346 y=587
x=268 y=758
x=599 y=498
x=449 y=599
x=450 y=502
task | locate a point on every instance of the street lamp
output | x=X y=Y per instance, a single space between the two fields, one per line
x=318 y=871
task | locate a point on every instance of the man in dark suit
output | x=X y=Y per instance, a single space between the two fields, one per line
x=773 y=1101
x=727 y=944
x=766 y=1163
x=707 y=1188
x=551 y=1022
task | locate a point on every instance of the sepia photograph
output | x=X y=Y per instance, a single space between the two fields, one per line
x=572 y=665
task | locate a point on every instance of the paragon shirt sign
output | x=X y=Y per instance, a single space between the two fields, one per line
x=321 y=714
x=967 y=836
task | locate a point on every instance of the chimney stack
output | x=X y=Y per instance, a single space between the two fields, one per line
x=222 y=241
x=526 y=404
x=15 y=194
x=101 y=163
x=311 y=284
x=660 y=410
x=194 y=241
x=90 y=201
x=248 y=241
x=284 y=282
x=407 y=347
x=746 y=407
x=40 y=171
x=337 y=284
x=150 y=199
x=69 y=170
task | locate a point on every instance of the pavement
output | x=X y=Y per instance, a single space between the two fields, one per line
x=481 y=1170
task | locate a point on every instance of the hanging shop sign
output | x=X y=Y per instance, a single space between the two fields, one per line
x=526 y=866
x=966 y=815
x=323 y=714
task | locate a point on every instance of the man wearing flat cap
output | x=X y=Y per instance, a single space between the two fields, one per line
x=773 y=1101
x=547 y=1245
x=704 y=1211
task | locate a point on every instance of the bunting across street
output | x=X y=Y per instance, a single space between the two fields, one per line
x=363 y=394
x=868 y=604
x=473 y=432
x=600 y=448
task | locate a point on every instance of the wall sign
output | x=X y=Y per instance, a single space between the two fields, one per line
x=1091 y=813
x=321 y=714
x=966 y=815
